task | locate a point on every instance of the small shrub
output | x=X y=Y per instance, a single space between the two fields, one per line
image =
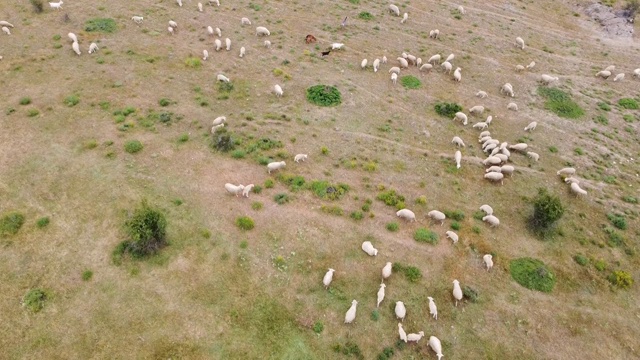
x=104 y=25
x=581 y=259
x=470 y=293
x=11 y=223
x=412 y=273
x=366 y=207
x=370 y=166
x=281 y=199
x=476 y=230
x=193 y=63
x=222 y=141
x=365 y=16
x=244 y=244
x=447 y=110
x=392 y=226
x=601 y=119
x=578 y=151
x=87 y=275
x=257 y=189
x=604 y=106
x=333 y=210
x=547 y=210
x=42 y=222
x=323 y=95
x=630 y=199
x=325 y=190
x=245 y=223
x=238 y=154
x=456 y=215
x=33 y=113
x=164 y=102
x=425 y=236
x=532 y=274
x=318 y=327
x=324 y=150
x=133 y=146
x=386 y=354
x=256 y=205
x=268 y=184
x=72 y=100
x=628 y=103
x=617 y=221
x=375 y=315
x=25 y=101
x=615 y=239
x=146 y=230
x=34 y=300
x=560 y=103
x=628 y=118
x=349 y=349
x=356 y=215
x=38 y=6
x=410 y=82
x=183 y=138
x=621 y=279
x=553 y=149
x=455 y=225
x=390 y=197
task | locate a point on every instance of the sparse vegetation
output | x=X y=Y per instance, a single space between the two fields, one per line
x=72 y=100
x=581 y=259
x=618 y=221
x=245 y=223
x=87 y=275
x=560 y=103
x=392 y=226
x=11 y=223
x=281 y=199
x=365 y=16
x=621 y=279
x=447 y=110
x=532 y=274
x=38 y=6
x=324 y=95
x=391 y=198
x=25 y=101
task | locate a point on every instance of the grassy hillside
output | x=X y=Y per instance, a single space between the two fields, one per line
x=71 y=176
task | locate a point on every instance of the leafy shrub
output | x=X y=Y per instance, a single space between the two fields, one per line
x=164 y=102
x=33 y=113
x=37 y=5
x=133 y=146
x=390 y=197
x=295 y=182
x=386 y=354
x=426 y=236
x=238 y=154
x=630 y=199
x=628 y=103
x=25 y=101
x=410 y=82
x=357 y=215
x=281 y=199
x=456 y=215
x=245 y=223
x=256 y=205
x=600 y=265
x=324 y=95
x=257 y=189
x=365 y=16
x=532 y=274
x=581 y=259
x=455 y=225
x=617 y=221
x=621 y=279
x=325 y=190
x=147 y=231
x=412 y=273
x=268 y=184
x=87 y=275
x=222 y=141
x=183 y=138
x=547 y=209
x=34 y=300
x=553 y=149
x=470 y=293
x=104 y=25
x=72 y=100
x=448 y=110
x=10 y=223
x=604 y=106
x=615 y=239
x=42 y=222
x=324 y=150
x=349 y=349
x=560 y=103
x=392 y=226
x=333 y=210
x=318 y=327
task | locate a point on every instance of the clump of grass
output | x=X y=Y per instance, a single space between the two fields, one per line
x=349 y=349
x=324 y=150
x=72 y=100
x=455 y=225
x=183 y=138
x=164 y=102
x=630 y=199
x=38 y=6
x=421 y=200
x=146 y=230
x=532 y=274
x=456 y=215
x=628 y=103
x=295 y=182
x=257 y=205
x=43 y=222
x=333 y=210
x=33 y=112
x=324 y=95
x=34 y=300
x=560 y=103
x=580 y=259
x=412 y=273
x=245 y=223
x=617 y=221
x=386 y=354
x=553 y=149
x=222 y=141
x=410 y=82
x=615 y=239
x=238 y=154
x=268 y=184
x=25 y=101
x=601 y=119
x=87 y=275
x=357 y=215
x=325 y=190
x=392 y=226
x=365 y=16
x=104 y=25
x=470 y=293
x=318 y=327
x=391 y=198
x=281 y=199
x=193 y=62
x=11 y=223
x=448 y=110
x=425 y=236
x=604 y=106
x=133 y=146
x=621 y=279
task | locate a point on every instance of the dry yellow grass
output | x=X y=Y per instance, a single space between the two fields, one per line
x=211 y=296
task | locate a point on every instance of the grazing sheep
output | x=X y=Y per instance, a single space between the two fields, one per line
x=376 y=65
x=173 y=24
x=219 y=120
x=494 y=176
x=405 y=16
x=418 y=62
x=477 y=110
x=179 y=2
x=200 y=7
x=484 y=133
x=533 y=155
x=210 y=30
x=205 y=54
x=619 y=77
x=394 y=9
x=566 y=171
x=216 y=127
x=433 y=309
x=636 y=72
x=170 y=30
x=488 y=261
x=462 y=117
x=531 y=65
x=267 y=44
x=484 y=138
x=457 y=291
x=520 y=43
x=519 y=68
x=328 y=277
x=547 y=79
x=57 y=5
x=400 y=310
x=386 y=270
x=507 y=169
x=276 y=165
x=434 y=344
x=518 y=147
x=571 y=180
x=447 y=67
x=228 y=43
x=300 y=157
x=233 y=189
x=247 y=189
x=245 y=21
x=576 y=189
x=457 y=76
x=76 y=48
x=437 y=216
x=72 y=37
x=380 y=294
x=489 y=119
x=456 y=140
x=278 y=90
x=450 y=57
x=490 y=147
x=415 y=337
x=368 y=248
x=491 y=219
x=223 y=78
x=435 y=59
x=6 y=23
x=481 y=94
x=458 y=157
x=93 y=47
x=337 y=46
x=604 y=74
x=453 y=236
x=502 y=157
x=406 y=214
x=480 y=125
x=610 y=68
x=512 y=106
x=461 y=9
x=492 y=160
x=394 y=78
x=137 y=19
x=363 y=64
x=532 y=126
x=218 y=32
x=6 y=30
x=395 y=70
x=507 y=89
x=217 y=2
x=426 y=67
x=384 y=59
x=487 y=209
x=403 y=335
x=242 y=51
x=262 y=31
x=434 y=34
x=351 y=313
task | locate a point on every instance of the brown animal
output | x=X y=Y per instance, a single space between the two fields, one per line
x=310 y=39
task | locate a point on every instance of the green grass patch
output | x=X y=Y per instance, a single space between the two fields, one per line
x=133 y=146
x=87 y=275
x=195 y=63
x=324 y=95
x=245 y=223
x=281 y=199
x=392 y=226
x=43 y=222
x=257 y=205
x=11 y=223
x=621 y=279
x=447 y=110
x=410 y=82
x=391 y=198
x=628 y=103
x=604 y=106
x=560 y=103
x=349 y=349
x=25 y=101
x=412 y=273
x=424 y=235
x=617 y=221
x=325 y=190
x=294 y=182
x=104 y=25
x=72 y=100
x=332 y=209
x=456 y=215
x=581 y=259
x=357 y=215
x=34 y=300
x=532 y=274
x=365 y=16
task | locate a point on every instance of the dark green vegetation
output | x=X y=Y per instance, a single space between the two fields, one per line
x=628 y=103
x=245 y=223
x=10 y=223
x=560 y=103
x=532 y=274
x=104 y=25
x=34 y=300
x=146 y=230
x=412 y=273
x=324 y=95
x=410 y=82
x=547 y=209
x=133 y=146
x=425 y=236
x=447 y=110
x=365 y=16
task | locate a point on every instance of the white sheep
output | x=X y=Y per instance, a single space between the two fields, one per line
x=491 y=147
x=245 y=21
x=426 y=67
x=533 y=155
x=200 y=7
x=434 y=34
x=418 y=62
x=376 y=65
x=173 y=24
x=462 y=117
x=415 y=337
x=57 y=5
x=619 y=77
x=610 y=68
x=476 y=110
x=403 y=62
x=531 y=65
x=507 y=88
x=218 y=32
x=434 y=344
x=457 y=157
x=219 y=120
x=492 y=160
x=571 y=180
x=453 y=236
x=456 y=140
x=395 y=70
x=532 y=126
x=480 y=125
x=457 y=76
x=437 y=216
x=170 y=30
x=233 y=189
x=394 y=78
x=93 y=47
x=604 y=74
x=406 y=214
x=484 y=138
x=519 y=68
x=337 y=46
x=210 y=30
x=394 y=9
x=491 y=219
x=351 y=313
x=223 y=78
x=72 y=37
x=76 y=47
x=405 y=16
x=507 y=169
x=512 y=106
x=384 y=59
x=636 y=72
x=363 y=64
x=447 y=67
x=262 y=31
x=179 y=2
x=381 y=294
x=481 y=94
x=518 y=147
x=242 y=51
x=6 y=23
x=278 y=90
x=228 y=43
x=217 y=2
x=433 y=309
x=457 y=291
x=547 y=79
x=494 y=176
x=461 y=9
x=247 y=189
x=328 y=277
x=566 y=171
x=401 y=310
x=484 y=133
x=520 y=43
x=489 y=119
x=435 y=59
x=276 y=165
x=402 y=333
x=576 y=189
x=386 y=270
x=487 y=209
x=267 y=44
x=488 y=261
x=502 y=157
x=6 y=30
x=137 y=19
x=216 y=127
x=369 y=249
x=300 y=157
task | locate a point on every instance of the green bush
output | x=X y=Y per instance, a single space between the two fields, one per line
x=410 y=82
x=42 y=222
x=392 y=226
x=630 y=199
x=357 y=215
x=256 y=205
x=25 y=101
x=164 y=102
x=133 y=146
x=325 y=190
x=281 y=199
x=601 y=119
x=560 y=103
x=615 y=239
x=295 y=182
x=604 y=106
x=386 y=354
x=318 y=327
x=147 y=231
x=183 y=138
x=10 y=223
x=104 y=25
x=245 y=223
x=425 y=236
x=621 y=279
x=447 y=110
x=532 y=274
x=324 y=95
x=87 y=275
x=34 y=300
x=412 y=273
x=456 y=215
x=349 y=349
x=238 y=154
x=390 y=197
x=455 y=225
x=470 y=293
x=333 y=210
x=628 y=103
x=600 y=265
x=268 y=184
x=617 y=221
x=33 y=112
x=581 y=259
x=547 y=209
x=365 y=16
x=72 y=100
x=222 y=141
